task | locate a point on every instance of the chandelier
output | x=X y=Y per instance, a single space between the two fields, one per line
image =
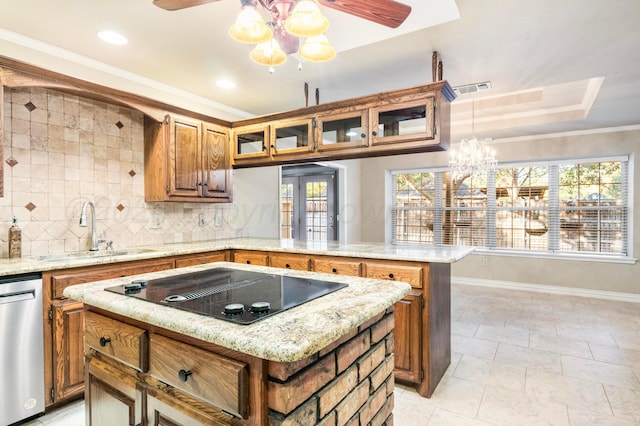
x=291 y=21
x=473 y=156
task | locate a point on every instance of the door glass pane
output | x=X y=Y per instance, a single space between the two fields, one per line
x=286 y=209
x=316 y=211
x=402 y=121
x=292 y=137
x=341 y=131
x=250 y=142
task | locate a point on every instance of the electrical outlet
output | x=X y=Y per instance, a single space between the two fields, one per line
x=217 y=221
x=485 y=261
x=201 y=220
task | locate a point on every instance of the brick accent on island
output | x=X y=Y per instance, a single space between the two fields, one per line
x=350 y=382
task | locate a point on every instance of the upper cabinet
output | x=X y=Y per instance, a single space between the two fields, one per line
x=399 y=122
x=186 y=160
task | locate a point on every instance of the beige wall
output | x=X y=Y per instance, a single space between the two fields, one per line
x=556 y=272
x=68 y=150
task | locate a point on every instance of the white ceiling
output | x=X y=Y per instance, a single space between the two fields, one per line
x=554 y=65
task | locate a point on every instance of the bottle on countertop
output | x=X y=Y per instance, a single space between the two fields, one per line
x=15 y=240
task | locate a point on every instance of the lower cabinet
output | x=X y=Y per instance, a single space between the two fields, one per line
x=419 y=318
x=67 y=359
x=137 y=377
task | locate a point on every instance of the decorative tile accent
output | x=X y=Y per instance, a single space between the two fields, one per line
x=30 y=206
x=11 y=161
x=30 y=106
x=132 y=173
x=120 y=207
x=119 y=125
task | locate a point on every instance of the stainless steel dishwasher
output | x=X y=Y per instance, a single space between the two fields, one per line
x=21 y=348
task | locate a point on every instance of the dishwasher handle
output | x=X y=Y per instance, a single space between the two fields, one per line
x=18 y=296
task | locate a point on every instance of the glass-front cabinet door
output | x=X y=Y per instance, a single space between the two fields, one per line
x=291 y=137
x=251 y=141
x=342 y=130
x=405 y=122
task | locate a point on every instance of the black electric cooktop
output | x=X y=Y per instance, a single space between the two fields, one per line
x=233 y=295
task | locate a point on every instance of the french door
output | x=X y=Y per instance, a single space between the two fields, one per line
x=308 y=209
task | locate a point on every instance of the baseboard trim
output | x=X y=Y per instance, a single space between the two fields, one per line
x=568 y=291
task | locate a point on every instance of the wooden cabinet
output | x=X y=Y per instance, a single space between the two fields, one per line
x=251 y=257
x=194 y=383
x=397 y=122
x=422 y=319
x=200 y=258
x=113 y=396
x=298 y=262
x=251 y=142
x=186 y=160
x=63 y=323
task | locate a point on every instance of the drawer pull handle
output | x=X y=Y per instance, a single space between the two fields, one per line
x=391 y=276
x=184 y=375
x=334 y=270
x=287 y=266
x=104 y=341
x=248 y=262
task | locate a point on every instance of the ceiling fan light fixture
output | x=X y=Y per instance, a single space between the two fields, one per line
x=269 y=54
x=306 y=20
x=250 y=27
x=317 y=49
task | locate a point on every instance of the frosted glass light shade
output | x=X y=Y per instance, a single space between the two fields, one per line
x=306 y=20
x=250 y=27
x=317 y=49
x=268 y=53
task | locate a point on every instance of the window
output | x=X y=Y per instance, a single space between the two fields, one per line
x=572 y=206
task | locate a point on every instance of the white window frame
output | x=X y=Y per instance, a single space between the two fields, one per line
x=552 y=252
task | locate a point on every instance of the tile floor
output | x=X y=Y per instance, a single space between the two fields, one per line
x=520 y=358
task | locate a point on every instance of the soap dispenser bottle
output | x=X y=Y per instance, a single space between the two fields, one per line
x=15 y=240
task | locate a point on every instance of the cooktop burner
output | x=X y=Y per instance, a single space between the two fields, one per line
x=233 y=295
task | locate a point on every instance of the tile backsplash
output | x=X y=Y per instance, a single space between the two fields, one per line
x=61 y=150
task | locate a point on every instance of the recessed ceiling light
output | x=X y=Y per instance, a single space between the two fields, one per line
x=112 y=37
x=226 y=84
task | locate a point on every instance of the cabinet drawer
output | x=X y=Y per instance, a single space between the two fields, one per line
x=338 y=267
x=396 y=272
x=62 y=279
x=124 y=342
x=218 y=380
x=251 y=257
x=199 y=259
x=288 y=261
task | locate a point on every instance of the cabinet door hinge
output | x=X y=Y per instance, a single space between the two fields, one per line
x=422 y=301
x=52 y=394
x=421 y=374
x=435 y=128
x=50 y=315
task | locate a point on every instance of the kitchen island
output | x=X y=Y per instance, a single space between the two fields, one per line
x=328 y=360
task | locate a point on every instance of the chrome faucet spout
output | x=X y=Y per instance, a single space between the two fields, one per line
x=83 y=223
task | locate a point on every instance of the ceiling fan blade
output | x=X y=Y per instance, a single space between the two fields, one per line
x=179 y=4
x=389 y=13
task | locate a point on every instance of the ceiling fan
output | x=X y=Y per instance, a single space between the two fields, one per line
x=389 y=13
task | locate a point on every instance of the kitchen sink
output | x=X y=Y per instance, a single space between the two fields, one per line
x=91 y=254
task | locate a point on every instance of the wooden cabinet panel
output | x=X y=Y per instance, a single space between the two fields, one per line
x=407 y=336
x=199 y=259
x=337 y=266
x=251 y=141
x=62 y=279
x=123 y=342
x=289 y=261
x=68 y=352
x=219 y=380
x=113 y=397
x=411 y=274
x=184 y=136
x=216 y=164
x=166 y=410
x=342 y=130
x=251 y=257
x=411 y=120
x=290 y=137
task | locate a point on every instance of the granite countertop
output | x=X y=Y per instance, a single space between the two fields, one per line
x=288 y=336
x=409 y=252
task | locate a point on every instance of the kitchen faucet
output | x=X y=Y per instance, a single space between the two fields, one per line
x=83 y=222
